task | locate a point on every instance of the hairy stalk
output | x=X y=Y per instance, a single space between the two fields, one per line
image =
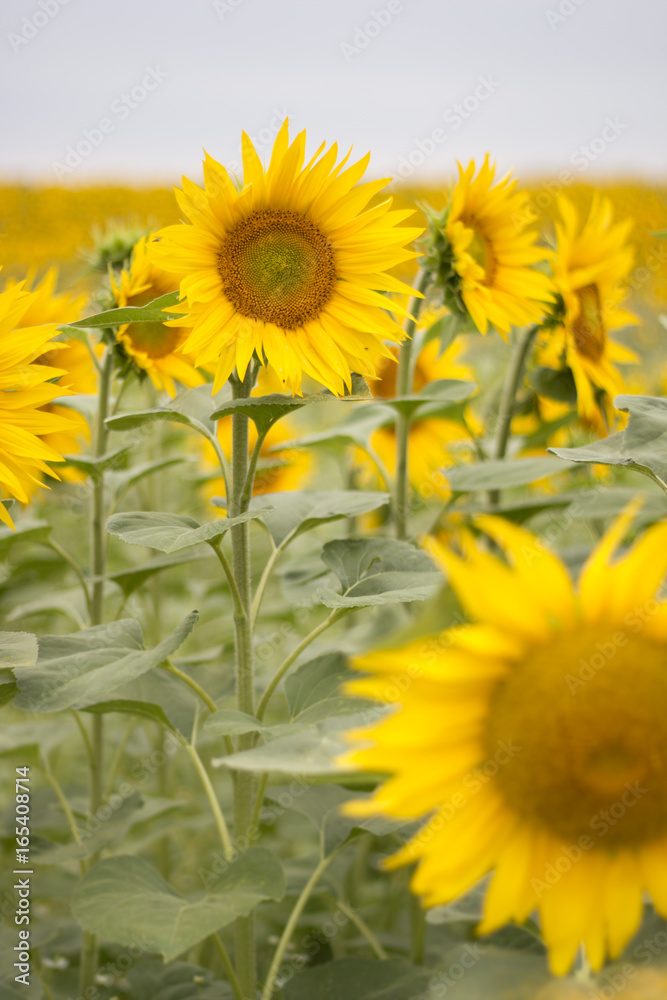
x=508 y=398
x=88 y=966
x=244 y=928
x=290 y=926
x=287 y=663
x=98 y=568
x=403 y=388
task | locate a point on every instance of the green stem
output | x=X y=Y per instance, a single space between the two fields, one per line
x=246 y=495
x=290 y=926
x=287 y=663
x=403 y=388
x=223 y=832
x=364 y=930
x=71 y=561
x=264 y=579
x=88 y=965
x=508 y=398
x=118 y=756
x=228 y=967
x=227 y=570
x=417 y=931
x=67 y=809
x=206 y=698
x=259 y=801
x=244 y=927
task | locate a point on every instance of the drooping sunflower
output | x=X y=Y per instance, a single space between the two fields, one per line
x=432 y=440
x=155 y=348
x=49 y=306
x=279 y=469
x=26 y=389
x=289 y=267
x=535 y=739
x=484 y=256
x=590 y=270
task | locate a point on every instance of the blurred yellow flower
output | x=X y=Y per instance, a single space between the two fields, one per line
x=26 y=387
x=155 y=348
x=492 y=254
x=534 y=739
x=50 y=306
x=590 y=270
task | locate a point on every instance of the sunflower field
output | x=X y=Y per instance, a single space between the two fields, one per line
x=334 y=542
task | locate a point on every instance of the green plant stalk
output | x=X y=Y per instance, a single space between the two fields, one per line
x=221 y=825
x=244 y=927
x=363 y=929
x=290 y=926
x=287 y=663
x=88 y=965
x=403 y=388
x=511 y=386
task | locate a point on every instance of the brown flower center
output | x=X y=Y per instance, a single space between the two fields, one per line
x=277 y=267
x=588 y=329
x=588 y=714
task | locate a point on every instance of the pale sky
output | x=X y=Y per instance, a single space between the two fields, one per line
x=544 y=85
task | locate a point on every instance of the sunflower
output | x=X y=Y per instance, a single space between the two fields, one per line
x=590 y=270
x=26 y=389
x=155 y=348
x=535 y=739
x=289 y=267
x=432 y=440
x=49 y=306
x=483 y=254
x=279 y=469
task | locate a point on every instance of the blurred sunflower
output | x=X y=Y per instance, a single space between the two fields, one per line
x=483 y=255
x=49 y=306
x=26 y=388
x=278 y=470
x=590 y=270
x=155 y=348
x=432 y=440
x=535 y=738
x=289 y=266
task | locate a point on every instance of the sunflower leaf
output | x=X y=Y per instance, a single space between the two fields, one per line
x=194 y=408
x=124 y=897
x=377 y=571
x=25 y=531
x=171 y=532
x=642 y=446
x=361 y=979
x=78 y=670
x=150 y=313
x=295 y=512
x=440 y=391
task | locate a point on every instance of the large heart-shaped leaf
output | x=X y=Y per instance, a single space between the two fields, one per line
x=642 y=446
x=361 y=979
x=125 y=898
x=377 y=571
x=73 y=671
x=194 y=408
x=171 y=532
x=297 y=511
x=25 y=531
x=314 y=690
x=17 y=649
